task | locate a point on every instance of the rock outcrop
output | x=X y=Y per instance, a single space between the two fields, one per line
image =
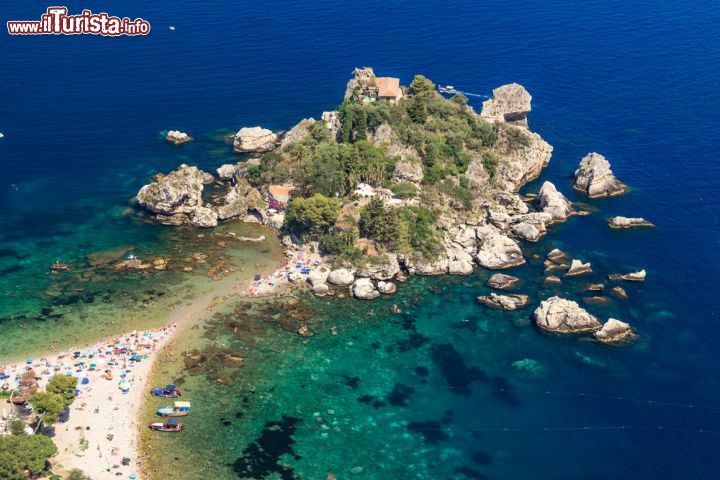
x=341 y=277
x=408 y=171
x=364 y=289
x=629 y=277
x=523 y=155
x=332 y=120
x=179 y=192
x=556 y=255
x=554 y=203
x=386 y=287
x=501 y=281
x=564 y=316
x=512 y=301
x=509 y=103
x=595 y=179
x=241 y=200
x=254 y=139
x=498 y=251
x=297 y=133
x=381 y=267
x=578 y=268
x=204 y=218
x=418 y=265
x=176 y=137
x=614 y=332
x=227 y=171
x=318 y=275
x=628 y=222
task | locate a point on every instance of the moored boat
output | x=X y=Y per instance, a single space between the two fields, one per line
x=180 y=409
x=168 y=392
x=59 y=267
x=172 y=425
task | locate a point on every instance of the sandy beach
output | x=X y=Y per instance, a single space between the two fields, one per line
x=100 y=433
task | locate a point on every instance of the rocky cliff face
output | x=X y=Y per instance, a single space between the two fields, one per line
x=297 y=133
x=523 y=155
x=509 y=103
x=595 y=179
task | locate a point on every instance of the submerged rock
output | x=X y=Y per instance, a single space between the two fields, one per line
x=629 y=277
x=364 y=289
x=320 y=289
x=176 y=137
x=564 y=316
x=578 y=268
x=511 y=301
x=620 y=293
x=552 y=280
x=595 y=179
x=254 y=139
x=618 y=223
x=498 y=251
x=614 y=331
x=554 y=203
x=501 y=281
x=509 y=103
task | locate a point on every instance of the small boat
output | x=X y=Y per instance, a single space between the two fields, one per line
x=447 y=89
x=180 y=409
x=59 y=267
x=172 y=425
x=168 y=392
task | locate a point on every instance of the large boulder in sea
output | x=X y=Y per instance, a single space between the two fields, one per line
x=501 y=281
x=614 y=331
x=178 y=192
x=620 y=223
x=177 y=137
x=364 y=289
x=553 y=202
x=227 y=171
x=564 y=316
x=204 y=218
x=509 y=302
x=509 y=103
x=498 y=251
x=595 y=179
x=319 y=275
x=254 y=139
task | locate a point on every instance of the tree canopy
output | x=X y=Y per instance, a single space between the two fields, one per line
x=63 y=385
x=21 y=453
x=313 y=216
x=49 y=405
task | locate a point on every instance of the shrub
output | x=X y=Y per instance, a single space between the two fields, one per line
x=404 y=190
x=490 y=162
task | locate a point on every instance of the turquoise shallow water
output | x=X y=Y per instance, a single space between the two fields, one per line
x=634 y=81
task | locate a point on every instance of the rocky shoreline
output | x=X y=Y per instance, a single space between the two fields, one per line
x=487 y=232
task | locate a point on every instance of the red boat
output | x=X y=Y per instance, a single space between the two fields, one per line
x=172 y=425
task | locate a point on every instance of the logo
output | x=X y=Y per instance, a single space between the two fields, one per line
x=56 y=21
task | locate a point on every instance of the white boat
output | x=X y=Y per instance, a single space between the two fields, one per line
x=447 y=89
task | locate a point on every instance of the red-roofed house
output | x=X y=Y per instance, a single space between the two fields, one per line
x=389 y=89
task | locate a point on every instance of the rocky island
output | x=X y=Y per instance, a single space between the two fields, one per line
x=397 y=181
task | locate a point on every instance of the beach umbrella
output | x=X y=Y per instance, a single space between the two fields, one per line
x=85 y=381
x=29 y=360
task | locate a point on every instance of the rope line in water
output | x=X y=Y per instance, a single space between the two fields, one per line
x=617 y=398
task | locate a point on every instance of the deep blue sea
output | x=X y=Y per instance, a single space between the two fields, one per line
x=635 y=81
